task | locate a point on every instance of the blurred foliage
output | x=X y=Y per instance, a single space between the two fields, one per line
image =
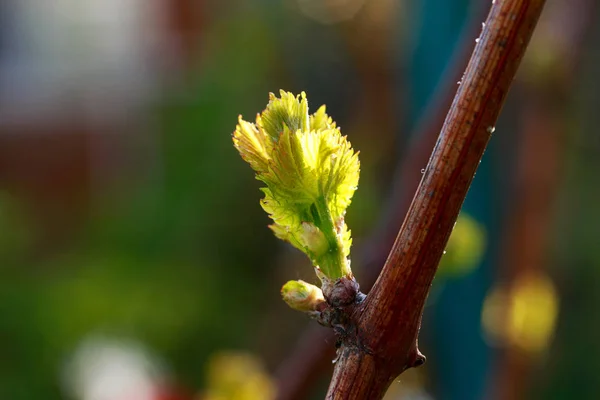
x=410 y=385
x=16 y=234
x=237 y=376
x=180 y=258
x=165 y=259
x=465 y=249
x=522 y=315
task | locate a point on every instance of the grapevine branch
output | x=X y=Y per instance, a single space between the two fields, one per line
x=380 y=340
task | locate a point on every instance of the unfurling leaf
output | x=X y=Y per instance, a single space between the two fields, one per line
x=310 y=171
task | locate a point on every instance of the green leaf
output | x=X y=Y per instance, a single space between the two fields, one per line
x=310 y=171
x=320 y=120
x=288 y=111
x=254 y=146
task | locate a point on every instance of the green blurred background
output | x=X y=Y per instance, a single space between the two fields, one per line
x=135 y=261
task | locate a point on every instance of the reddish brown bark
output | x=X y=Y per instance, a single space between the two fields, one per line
x=381 y=340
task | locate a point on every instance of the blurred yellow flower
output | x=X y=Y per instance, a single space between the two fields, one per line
x=237 y=376
x=465 y=249
x=523 y=315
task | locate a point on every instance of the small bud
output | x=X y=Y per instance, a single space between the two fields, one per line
x=302 y=296
x=341 y=292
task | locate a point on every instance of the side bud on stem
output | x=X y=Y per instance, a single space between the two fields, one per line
x=340 y=292
x=303 y=296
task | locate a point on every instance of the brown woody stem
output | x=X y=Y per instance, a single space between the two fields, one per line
x=386 y=324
